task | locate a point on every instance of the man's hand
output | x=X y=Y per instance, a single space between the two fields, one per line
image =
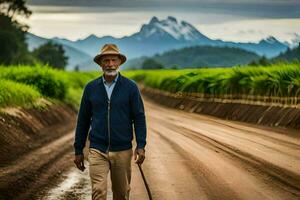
x=79 y=161
x=139 y=156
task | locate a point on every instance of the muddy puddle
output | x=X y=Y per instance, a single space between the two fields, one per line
x=75 y=185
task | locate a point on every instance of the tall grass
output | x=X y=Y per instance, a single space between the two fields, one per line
x=281 y=80
x=47 y=82
x=17 y=94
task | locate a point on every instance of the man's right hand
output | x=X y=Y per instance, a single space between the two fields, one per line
x=79 y=161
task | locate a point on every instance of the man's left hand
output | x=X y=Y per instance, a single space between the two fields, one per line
x=139 y=156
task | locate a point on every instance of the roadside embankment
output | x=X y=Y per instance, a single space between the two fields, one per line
x=34 y=142
x=23 y=129
x=278 y=115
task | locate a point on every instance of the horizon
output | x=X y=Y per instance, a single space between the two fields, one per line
x=120 y=37
x=236 y=21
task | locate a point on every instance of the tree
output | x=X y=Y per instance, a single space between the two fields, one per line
x=13 y=42
x=253 y=63
x=150 y=63
x=263 y=61
x=76 y=68
x=51 y=54
x=12 y=7
x=175 y=66
x=9 y=45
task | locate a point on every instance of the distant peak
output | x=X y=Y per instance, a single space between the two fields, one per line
x=171 y=27
x=91 y=36
x=184 y=23
x=173 y=19
x=154 y=20
x=271 y=38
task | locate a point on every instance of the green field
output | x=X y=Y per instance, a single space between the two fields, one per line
x=24 y=85
x=281 y=80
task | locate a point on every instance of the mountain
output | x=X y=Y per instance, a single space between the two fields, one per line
x=289 y=55
x=170 y=29
x=268 y=47
x=76 y=57
x=200 y=56
x=159 y=36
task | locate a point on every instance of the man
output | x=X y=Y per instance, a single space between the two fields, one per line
x=110 y=106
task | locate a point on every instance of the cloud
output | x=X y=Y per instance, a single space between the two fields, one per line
x=254 y=30
x=255 y=19
x=246 y=8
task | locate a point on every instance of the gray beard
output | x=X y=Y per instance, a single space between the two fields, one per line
x=111 y=72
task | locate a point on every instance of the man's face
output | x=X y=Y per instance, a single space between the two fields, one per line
x=110 y=64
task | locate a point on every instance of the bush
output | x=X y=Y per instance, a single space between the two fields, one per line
x=150 y=63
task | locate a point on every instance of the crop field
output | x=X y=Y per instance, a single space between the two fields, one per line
x=281 y=80
x=23 y=85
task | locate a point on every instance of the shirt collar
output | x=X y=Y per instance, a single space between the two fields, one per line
x=114 y=81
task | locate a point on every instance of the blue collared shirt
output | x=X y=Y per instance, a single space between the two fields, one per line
x=109 y=86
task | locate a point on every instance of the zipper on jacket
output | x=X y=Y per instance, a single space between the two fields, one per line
x=108 y=125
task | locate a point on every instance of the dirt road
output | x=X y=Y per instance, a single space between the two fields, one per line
x=198 y=157
x=191 y=156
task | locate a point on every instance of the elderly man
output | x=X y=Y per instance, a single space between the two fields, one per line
x=110 y=106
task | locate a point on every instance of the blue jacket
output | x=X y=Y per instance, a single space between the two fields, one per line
x=110 y=122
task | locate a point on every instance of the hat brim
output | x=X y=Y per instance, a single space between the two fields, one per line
x=97 y=58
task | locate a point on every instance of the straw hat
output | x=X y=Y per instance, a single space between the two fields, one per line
x=109 y=49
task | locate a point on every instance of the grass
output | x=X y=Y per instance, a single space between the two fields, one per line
x=17 y=94
x=24 y=85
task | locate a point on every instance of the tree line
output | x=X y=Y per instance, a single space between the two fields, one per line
x=199 y=57
x=208 y=56
x=289 y=56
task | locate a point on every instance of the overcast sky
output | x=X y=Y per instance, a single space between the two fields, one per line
x=235 y=20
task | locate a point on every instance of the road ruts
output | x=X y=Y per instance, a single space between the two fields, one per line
x=191 y=156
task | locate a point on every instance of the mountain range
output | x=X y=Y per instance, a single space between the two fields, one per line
x=155 y=37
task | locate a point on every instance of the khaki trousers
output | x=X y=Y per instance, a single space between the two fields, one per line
x=119 y=165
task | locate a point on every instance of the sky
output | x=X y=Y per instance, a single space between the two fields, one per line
x=229 y=20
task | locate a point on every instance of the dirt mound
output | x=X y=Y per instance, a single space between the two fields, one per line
x=23 y=130
x=269 y=115
x=35 y=145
